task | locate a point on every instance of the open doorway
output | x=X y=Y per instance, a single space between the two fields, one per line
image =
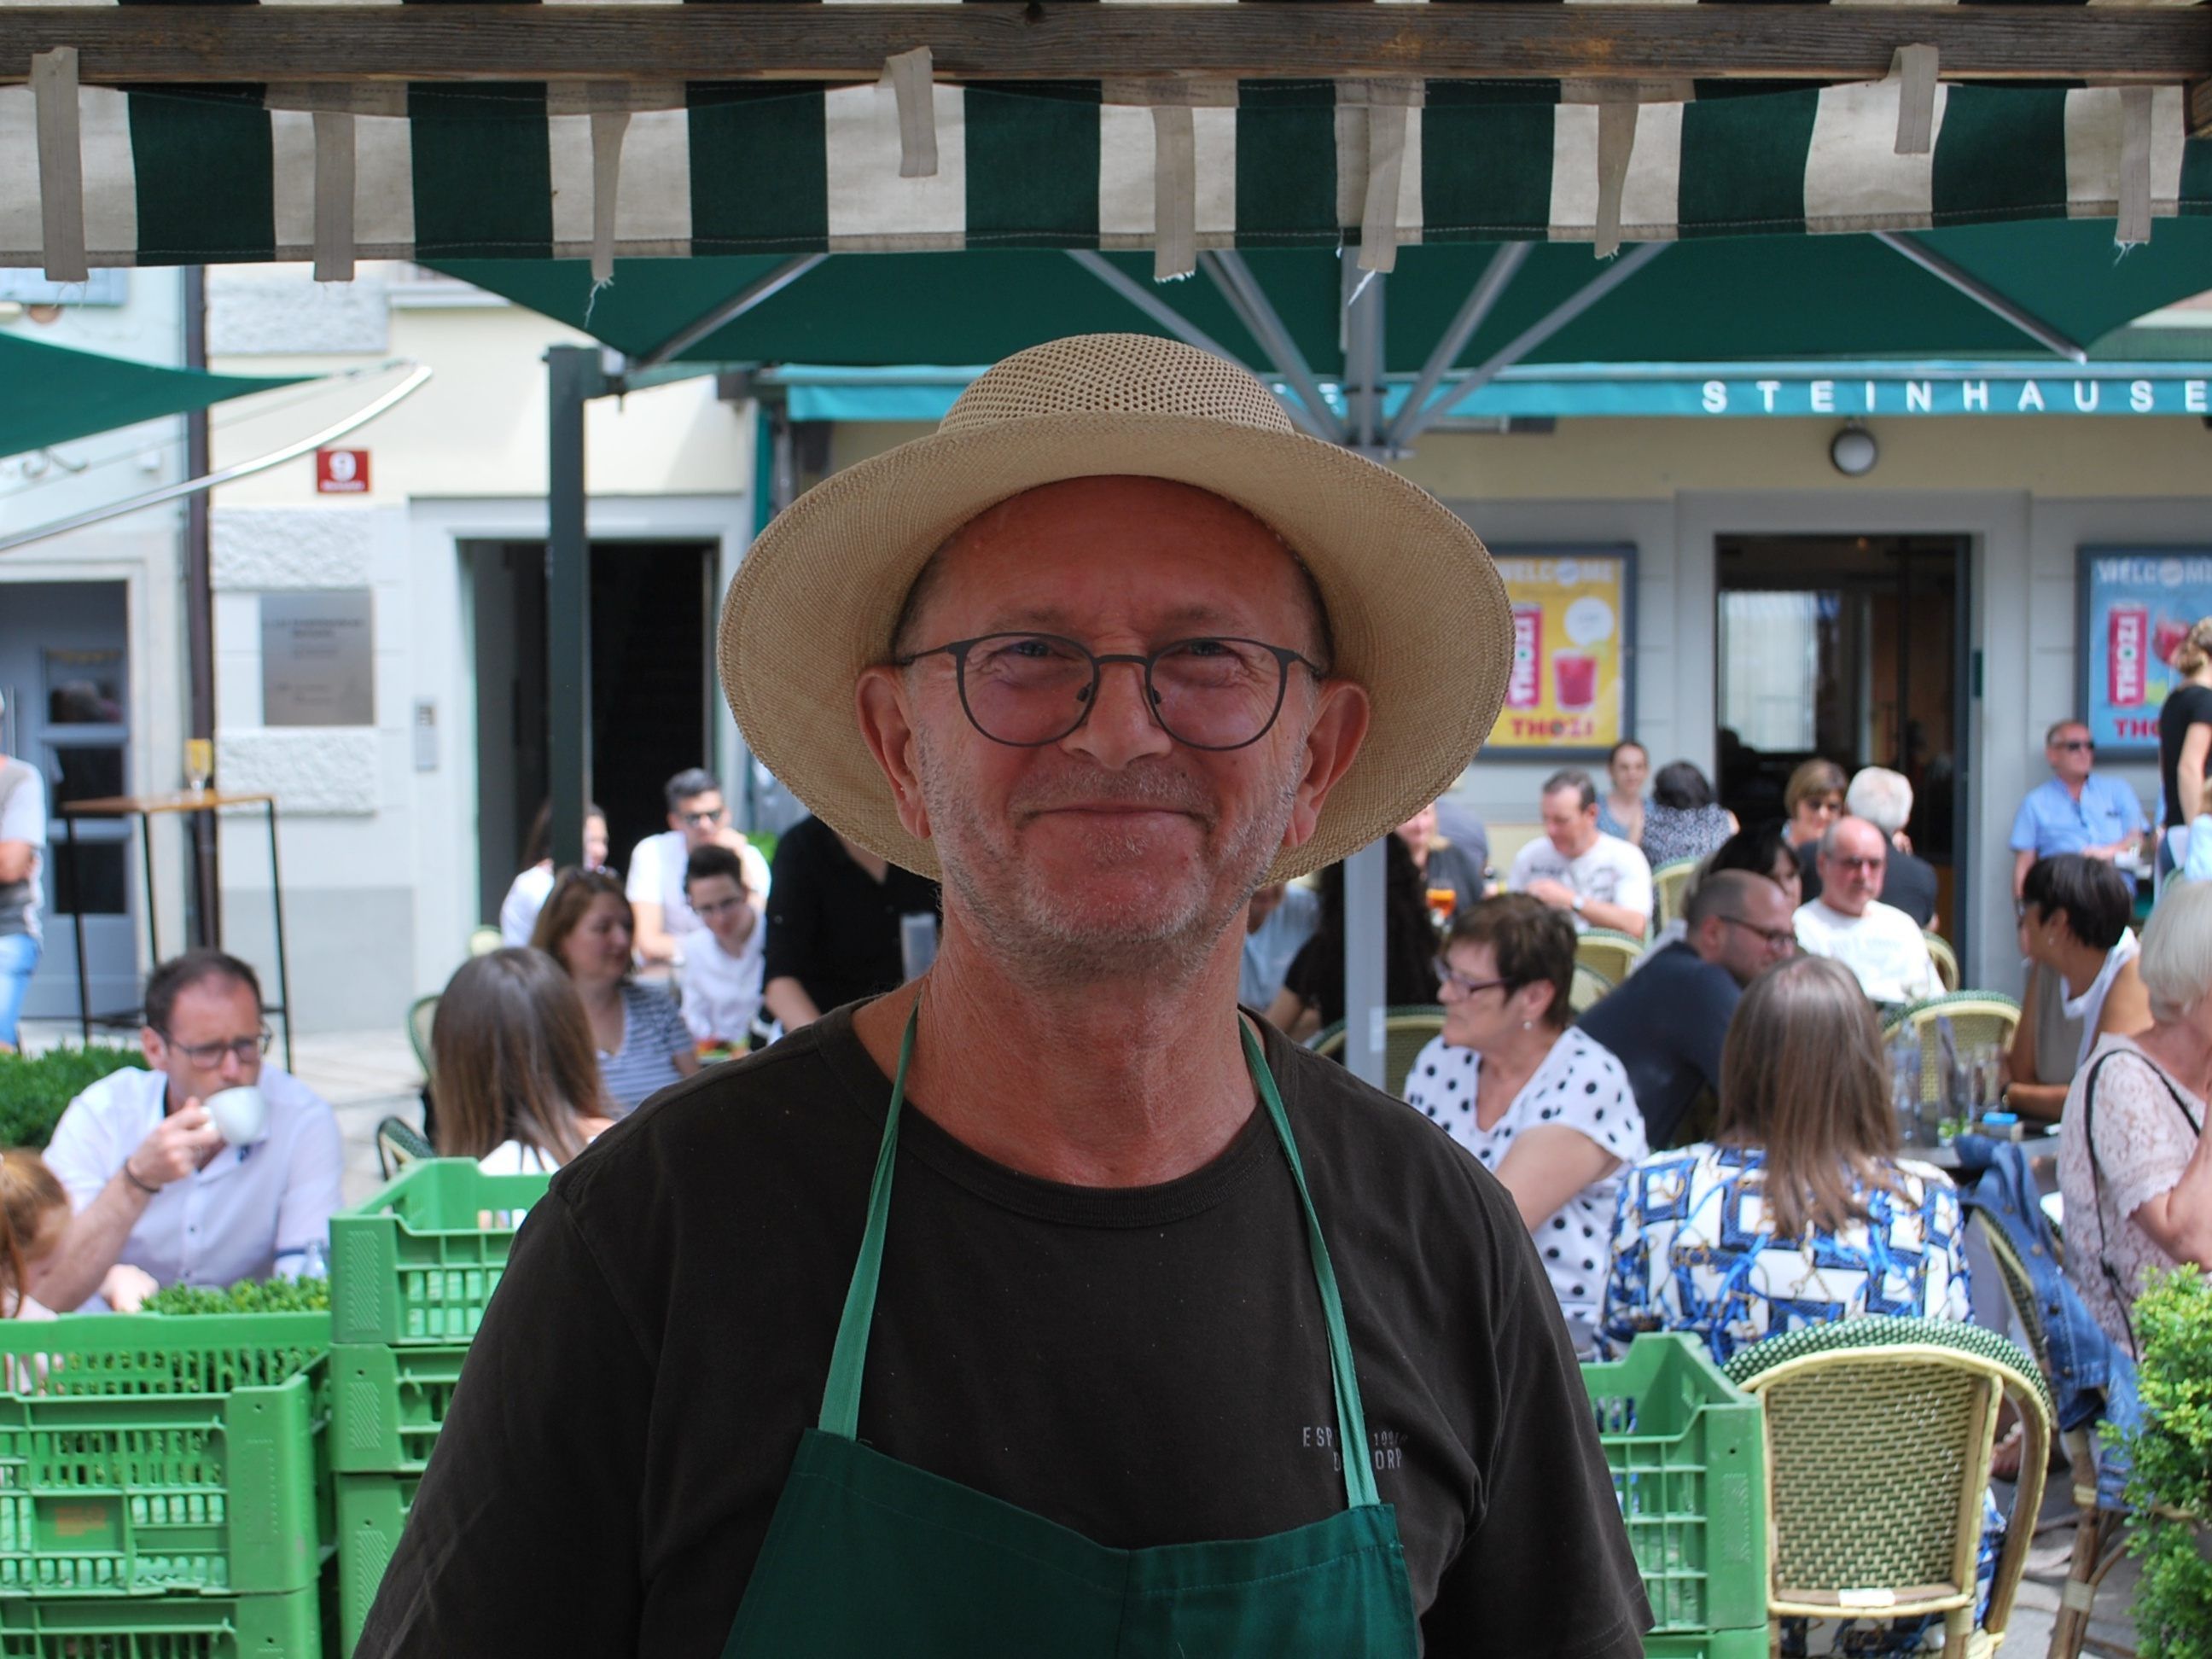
x=651 y=689
x=1853 y=648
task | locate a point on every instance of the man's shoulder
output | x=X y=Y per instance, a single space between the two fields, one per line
x=1891 y=919
x=125 y=1088
x=1625 y=854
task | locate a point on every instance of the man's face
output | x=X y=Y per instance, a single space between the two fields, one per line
x=1417 y=831
x=2071 y=753
x=699 y=817
x=595 y=843
x=1749 y=936
x=218 y=1017
x=721 y=903
x=1568 y=824
x=1115 y=848
x=1851 y=876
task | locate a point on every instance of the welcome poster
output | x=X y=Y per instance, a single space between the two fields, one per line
x=1567 y=694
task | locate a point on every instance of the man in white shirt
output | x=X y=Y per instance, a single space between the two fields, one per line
x=22 y=842
x=1601 y=879
x=696 y=818
x=1878 y=942
x=721 y=971
x=154 y=1184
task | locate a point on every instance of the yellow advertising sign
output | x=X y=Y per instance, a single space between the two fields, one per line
x=1568 y=690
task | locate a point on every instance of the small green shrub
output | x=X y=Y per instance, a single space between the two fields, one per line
x=2172 y=1466
x=34 y=1090
x=247 y=1296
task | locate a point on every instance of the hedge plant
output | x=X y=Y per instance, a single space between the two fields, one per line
x=35 y=1089
x=2171 y=1477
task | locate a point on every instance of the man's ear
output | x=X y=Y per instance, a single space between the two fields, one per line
x=153 y=1046
x=887 y=725
x=1341 y=716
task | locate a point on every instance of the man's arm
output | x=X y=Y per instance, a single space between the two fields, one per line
x=2189 y=770
x=2022 y=862
x=794 y=924
x=178 y=1145
x=649 y=933
x=22 y=829
x=549 y=1423
x=1619 y=917
x=14 y=860
x=788 y=1000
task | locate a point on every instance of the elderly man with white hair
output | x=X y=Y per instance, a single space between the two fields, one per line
x=1876 y=941
x=1046 y=1305
x=1884 y=798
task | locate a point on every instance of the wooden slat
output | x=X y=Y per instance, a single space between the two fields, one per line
x=991 y=39
x=2200 y=110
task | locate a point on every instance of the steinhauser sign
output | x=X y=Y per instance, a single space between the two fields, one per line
x=1980 y=394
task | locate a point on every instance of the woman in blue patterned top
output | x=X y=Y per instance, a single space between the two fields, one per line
x=643 y=1043
x=1800 y=1212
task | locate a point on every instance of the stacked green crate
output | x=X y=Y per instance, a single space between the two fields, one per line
x=412 y=1272
x=1688 y=1463
x=164 y=1474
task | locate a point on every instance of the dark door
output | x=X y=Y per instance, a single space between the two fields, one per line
x=1851 y=648
x=651 y=684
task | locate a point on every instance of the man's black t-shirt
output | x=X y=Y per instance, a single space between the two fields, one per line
x=1665 y=1025
x=2185 y=705
x=1146 y=1366
x=1909 y=883
x=831 y=926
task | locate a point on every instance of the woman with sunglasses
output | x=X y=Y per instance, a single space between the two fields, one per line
x=1541 y=1105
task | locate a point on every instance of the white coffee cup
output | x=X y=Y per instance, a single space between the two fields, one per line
x=241 y=1114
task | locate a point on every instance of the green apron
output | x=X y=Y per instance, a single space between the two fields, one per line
x=868 y=1557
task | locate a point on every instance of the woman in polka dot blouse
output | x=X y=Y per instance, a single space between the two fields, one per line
x=1544 y=1108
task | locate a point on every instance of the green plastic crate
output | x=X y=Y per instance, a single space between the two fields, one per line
x=416 y=1263
x=1688 y=1468
x=1708 y=1644
x=155 y=1455
x=371 y=1511
x=294 y=1626
x=387 y=1406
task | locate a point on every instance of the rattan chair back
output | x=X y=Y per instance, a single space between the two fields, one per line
x=1589 y=987
x=1945 y=958
x=1670 y=886
x=1611 y=953
x=1977 y=1019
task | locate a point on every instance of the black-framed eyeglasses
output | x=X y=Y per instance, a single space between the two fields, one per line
x=700 y=820
x=1029 y=689
x=1448 y=975
x=208 y=1055
x=1775 y=937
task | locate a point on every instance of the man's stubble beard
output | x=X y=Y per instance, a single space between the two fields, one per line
x=1018 y=921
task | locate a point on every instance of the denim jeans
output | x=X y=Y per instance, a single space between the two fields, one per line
x=19 y=960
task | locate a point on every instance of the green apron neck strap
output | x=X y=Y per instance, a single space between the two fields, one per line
x=1351 y=1416
x=841 y=1400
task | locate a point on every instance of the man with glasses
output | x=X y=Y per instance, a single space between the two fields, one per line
x=1007 y=1314
x=2076 y=809
x=1878 y=942
x=155 y=1186
x=697 y=818
x=1667 y=1022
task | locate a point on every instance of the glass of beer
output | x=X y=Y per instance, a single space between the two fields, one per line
x=199 y=762
x=1443 y=901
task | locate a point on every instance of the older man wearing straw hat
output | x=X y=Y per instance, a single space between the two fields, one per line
x=1048 y=1306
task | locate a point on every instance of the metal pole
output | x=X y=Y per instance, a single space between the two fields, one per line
x=1228 y=273
x=1366 y=986
x=204 y=926
x=745 y=298
x=1364 y=365
x=1497 y=276
x=276 y=908
x=573 y=373
x=1981 y=295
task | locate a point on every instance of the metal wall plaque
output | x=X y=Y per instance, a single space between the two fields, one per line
x=318 y=659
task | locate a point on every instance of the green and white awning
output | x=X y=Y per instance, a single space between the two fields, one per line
x=426 y=170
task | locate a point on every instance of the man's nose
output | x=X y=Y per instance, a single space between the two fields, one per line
x=1121 y=726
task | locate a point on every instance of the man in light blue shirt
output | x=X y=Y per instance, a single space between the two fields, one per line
x=2074 y=810
x=1282 y=916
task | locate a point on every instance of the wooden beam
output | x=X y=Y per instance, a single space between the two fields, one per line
x=992 y=40
x=2200 y=110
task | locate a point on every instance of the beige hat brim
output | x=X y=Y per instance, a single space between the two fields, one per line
x=1418 y=611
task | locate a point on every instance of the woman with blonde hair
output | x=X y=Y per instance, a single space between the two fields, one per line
x=1800 y=1211
x=2131 y=1159
x=519 y=1086
x=2184 y=743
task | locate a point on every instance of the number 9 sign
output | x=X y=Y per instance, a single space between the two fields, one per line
x=340 y=472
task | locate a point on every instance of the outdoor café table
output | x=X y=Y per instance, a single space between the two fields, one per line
x=144 y=809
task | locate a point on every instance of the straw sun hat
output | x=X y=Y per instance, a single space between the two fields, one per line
x=1418 y=612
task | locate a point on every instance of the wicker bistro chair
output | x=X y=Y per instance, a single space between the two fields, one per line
x=1610 y=953
x=1406 y=1032
x=1945 y=958
x=1977 y=1019
x=1879 y=1434
x=1589 y=987
x=419 y=1016
x=398 y=1144
x=1670 y=885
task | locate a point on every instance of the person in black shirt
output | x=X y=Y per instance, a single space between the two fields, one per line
x=1312 y=996
x=835 y=914
x=1047 y=1305
x=1884 y=800
x=2184 y=739
x=1667 y=1021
